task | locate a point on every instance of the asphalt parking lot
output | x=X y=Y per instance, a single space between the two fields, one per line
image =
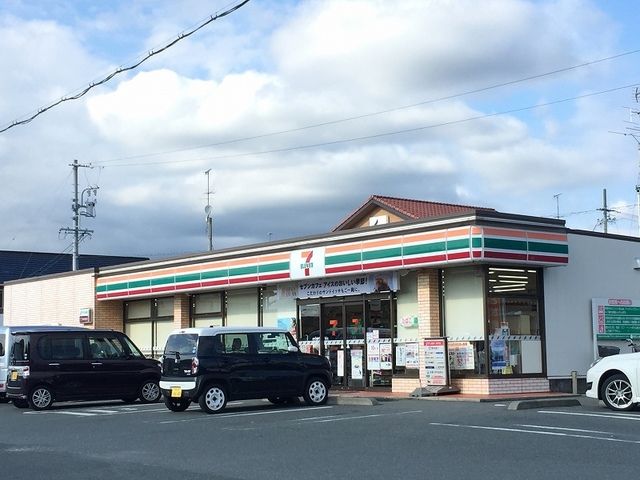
x=257 y=440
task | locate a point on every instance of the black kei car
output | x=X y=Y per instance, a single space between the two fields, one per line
x=213 y=365
x=48 y=365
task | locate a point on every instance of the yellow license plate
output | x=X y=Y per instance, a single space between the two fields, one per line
x=176 y=392
x=14 y=376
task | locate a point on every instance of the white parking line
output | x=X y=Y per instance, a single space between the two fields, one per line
x=545 y=427
x=80 y=414
x=536 y=432
x=109 y=412
x=340 y=419
x=200 y=418
x=603 y=415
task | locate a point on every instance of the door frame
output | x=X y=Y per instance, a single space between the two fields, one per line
x=343 y=302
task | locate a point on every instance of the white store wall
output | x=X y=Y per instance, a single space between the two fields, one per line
x=598 y=267
x=49 y=301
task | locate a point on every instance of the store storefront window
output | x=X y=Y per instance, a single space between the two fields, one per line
x=515 y=333
x=279 y=307
x=406 y=338
x=309 y=330
x=148 y=323
x=242 y=308
x=206 y=310
x=463 y=308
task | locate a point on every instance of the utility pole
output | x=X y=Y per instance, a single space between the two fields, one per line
x=79 y=207
x=605 y=211
x=207 y=211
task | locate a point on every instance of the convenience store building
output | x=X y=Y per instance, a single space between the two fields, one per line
x=512 y=294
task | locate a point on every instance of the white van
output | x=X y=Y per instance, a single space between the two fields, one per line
x=6 y=341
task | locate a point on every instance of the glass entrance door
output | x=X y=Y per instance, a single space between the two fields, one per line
x=334 y=340
x=343 y=328
x=355 y=353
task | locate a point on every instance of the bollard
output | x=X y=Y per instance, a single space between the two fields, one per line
x=574 y=382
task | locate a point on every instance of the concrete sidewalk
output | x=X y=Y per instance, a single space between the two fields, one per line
x=522 y=400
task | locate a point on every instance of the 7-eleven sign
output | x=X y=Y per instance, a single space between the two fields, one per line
x=307 y=263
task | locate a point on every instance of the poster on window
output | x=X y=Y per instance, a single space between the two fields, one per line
x=401 y=355
x=340 y=363
x=386 y=362
x=289 y=324
x=461 y=356
x=499 y=354
x=356 y=364
x=411 y=355
x=373 y=356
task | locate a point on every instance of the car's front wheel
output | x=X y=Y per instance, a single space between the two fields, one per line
x=316 y=392
x=41 y=398
x=213 y=399
x=616 y=393
x=177 y=405
x=150 y=392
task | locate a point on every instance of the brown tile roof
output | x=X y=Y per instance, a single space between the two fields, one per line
x=416 y=209
x=407 y=209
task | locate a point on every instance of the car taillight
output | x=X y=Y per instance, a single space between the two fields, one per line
x=194 y=365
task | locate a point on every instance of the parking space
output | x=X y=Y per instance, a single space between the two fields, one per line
x=255 y=439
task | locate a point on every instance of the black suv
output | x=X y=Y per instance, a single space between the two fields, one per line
x=48 y=365
x=213 y=365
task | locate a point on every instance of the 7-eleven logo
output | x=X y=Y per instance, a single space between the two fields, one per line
x=307 y=263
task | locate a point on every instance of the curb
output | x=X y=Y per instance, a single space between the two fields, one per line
x=337 y=400
x=544 y=402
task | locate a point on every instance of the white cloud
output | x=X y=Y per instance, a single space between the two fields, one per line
x=270 y=68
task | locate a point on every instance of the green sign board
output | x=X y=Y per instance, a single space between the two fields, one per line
x=616 y=318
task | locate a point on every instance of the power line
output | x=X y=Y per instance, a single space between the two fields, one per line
x=380 y=112
x=378 y=135
x=120 y=70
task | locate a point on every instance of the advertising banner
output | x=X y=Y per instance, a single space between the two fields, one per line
x=342 y=286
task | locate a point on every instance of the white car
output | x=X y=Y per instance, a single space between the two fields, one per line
x=616 y=381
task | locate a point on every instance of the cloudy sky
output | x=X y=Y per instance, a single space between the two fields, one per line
x=303 y=109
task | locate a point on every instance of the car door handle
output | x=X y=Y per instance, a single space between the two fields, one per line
x=96 y=364
x=54 y=364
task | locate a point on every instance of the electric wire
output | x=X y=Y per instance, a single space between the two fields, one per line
x=120 y=70
x=377 y=135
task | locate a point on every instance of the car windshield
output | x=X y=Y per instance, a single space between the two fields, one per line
x=182 y=344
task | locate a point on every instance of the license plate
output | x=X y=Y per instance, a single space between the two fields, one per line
x=14 y=376
x=176 y=392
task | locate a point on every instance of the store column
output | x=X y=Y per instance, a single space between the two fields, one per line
x=428 y=310
x=109 y=315
x=181 y=311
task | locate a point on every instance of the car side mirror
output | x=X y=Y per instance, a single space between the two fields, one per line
x=293 y=349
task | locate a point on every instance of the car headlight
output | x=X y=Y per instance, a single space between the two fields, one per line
x=596 y=361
